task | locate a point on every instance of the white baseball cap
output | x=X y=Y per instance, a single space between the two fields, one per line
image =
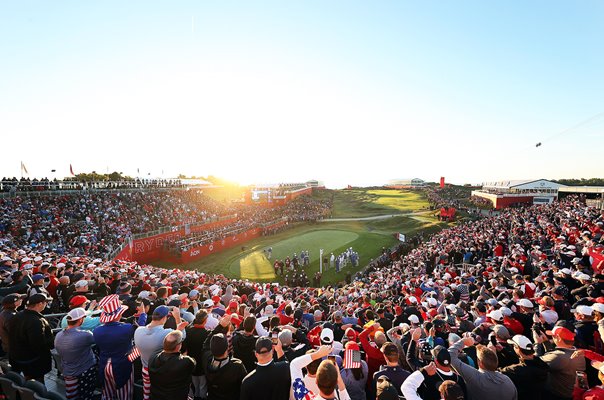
x=526 y=303
x=76 y=313
x=496 y=315
x=585 y=310
x=326 y=336
x=599 y=307
x=521 y=341
x=413 y=319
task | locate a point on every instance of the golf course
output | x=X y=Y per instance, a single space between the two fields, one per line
x=366 y=220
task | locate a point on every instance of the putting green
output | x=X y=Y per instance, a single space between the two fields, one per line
x=255 y=266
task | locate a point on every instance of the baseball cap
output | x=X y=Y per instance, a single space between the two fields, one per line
x=81 y=284
x=337 y=315
x=326 y=336
x=208 y=303
x=76 y=313
x=501 y=331
x=161 y=311
x=285 y=337
x=526 y=303
x=264 y=344
x=441 y=354
x=562 y=333
x=582 y=309
x=521 y=341
x=37 y=277
x=12 y=298
x=385 y=390
x=496 y=315
x=413 y=319
x=599 y=307
x=193 y=293
x=37 y=298
x=77 y=301
x=218 y=344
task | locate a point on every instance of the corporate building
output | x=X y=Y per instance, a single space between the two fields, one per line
x=509 y=193
x=406 y=183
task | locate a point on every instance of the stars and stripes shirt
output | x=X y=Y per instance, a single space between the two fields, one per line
x=299 y=389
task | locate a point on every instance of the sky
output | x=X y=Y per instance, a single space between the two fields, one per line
x=346 y=92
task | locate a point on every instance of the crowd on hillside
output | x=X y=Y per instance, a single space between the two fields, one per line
x=94 y=224
x=302 y=209
x=507 y=307
x=11 y=185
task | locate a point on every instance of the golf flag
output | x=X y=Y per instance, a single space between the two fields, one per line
x=71 y=170
x=23 y=169
x=442 y=182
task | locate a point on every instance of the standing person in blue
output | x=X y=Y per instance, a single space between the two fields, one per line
x=114 y=340
x=74 y=345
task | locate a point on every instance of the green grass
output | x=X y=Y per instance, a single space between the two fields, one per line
x=368 y=203
x=366 y=237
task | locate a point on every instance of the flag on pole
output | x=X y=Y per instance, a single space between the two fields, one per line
x=71 y=170
x=23 y=169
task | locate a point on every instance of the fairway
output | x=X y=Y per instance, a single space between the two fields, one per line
x=407 y=213
x=255 y=265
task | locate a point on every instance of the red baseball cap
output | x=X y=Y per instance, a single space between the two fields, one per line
x=562 y=333
x=77 y=301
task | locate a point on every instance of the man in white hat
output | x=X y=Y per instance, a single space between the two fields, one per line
x=530 y=373
x=585 y=326
x=74 y=346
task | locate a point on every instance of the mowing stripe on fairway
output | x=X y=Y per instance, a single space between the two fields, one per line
x=255 y=265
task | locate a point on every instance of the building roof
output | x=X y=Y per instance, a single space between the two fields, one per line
x=524 y=184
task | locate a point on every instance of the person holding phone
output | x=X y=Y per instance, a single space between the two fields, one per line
x=328 y=378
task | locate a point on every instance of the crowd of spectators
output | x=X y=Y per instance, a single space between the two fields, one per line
x=506 y=307
x=249 y=216
x=94 y=224
x=12 y=185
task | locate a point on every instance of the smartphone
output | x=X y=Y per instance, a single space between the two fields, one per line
x=332 y=359
x=493 y=340
x=275 y=338
x=582 y=380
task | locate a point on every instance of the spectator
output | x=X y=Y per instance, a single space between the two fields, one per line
x=114 y=341
x=10 y=303
x=530 y=373
x=392 y=370
x=74 y=346
x=169 y=371
x=223 y=373
x=149 y=340
x=30 y=340
x=354 y=374
x=328 y=377
x=271 y=379
x=485 y=382
x=196 y=335
x=562 y=366
x=244 y=342
x=423 y=384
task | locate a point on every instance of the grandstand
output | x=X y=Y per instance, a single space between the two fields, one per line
x=62 y=245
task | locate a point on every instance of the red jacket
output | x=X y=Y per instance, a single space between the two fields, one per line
x=375 y=358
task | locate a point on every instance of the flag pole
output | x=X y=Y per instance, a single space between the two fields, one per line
x=321 y=261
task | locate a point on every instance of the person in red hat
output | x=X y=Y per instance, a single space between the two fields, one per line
x=562 y=366
x=354 y=371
